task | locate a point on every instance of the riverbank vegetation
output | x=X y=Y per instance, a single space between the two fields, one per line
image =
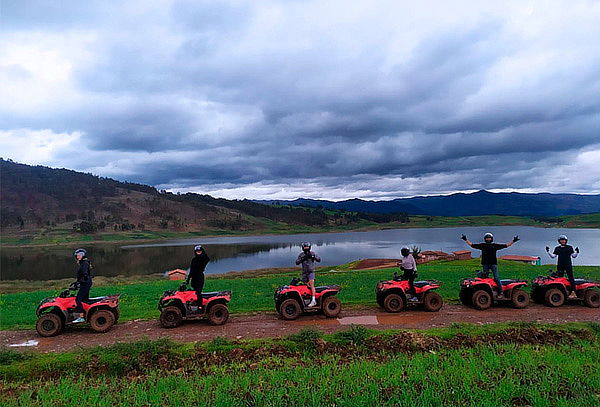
x=58 y=236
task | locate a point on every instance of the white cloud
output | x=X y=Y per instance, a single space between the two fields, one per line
x=316 y=99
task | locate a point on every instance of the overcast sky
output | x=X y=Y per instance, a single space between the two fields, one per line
x=320 y=99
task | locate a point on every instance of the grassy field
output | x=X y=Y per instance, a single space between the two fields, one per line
x=525 y=364
x=52 y=236
x=255 y=293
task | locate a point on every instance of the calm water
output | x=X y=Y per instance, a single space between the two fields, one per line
x=252 y=252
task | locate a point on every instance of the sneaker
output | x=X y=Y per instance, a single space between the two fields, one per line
x=414 y=298
x=312 y=303
x=79 y=320
x=573 y=295
x=500 y=296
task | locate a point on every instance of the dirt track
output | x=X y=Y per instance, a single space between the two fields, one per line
x=268 y=325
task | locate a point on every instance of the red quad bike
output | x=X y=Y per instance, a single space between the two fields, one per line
x=393 y=296
x=180 y=305
x=54 y=313
x=481 y=293
x=293 y=299
x=552 y=290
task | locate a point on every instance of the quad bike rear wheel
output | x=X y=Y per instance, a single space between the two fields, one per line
x=591 y=298
x=102 y=320
x=482 y=300
x=519 y=298
x=432 y=301
x=218 y=314
x=554 y=297
x=290 y=309
x=393 y=303
x=332 y=306
x=49 y=324
x=171 y=317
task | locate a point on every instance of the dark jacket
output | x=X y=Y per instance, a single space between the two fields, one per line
x=564 y=254
x=197 y=266
x=84 y=272
x=488 y=251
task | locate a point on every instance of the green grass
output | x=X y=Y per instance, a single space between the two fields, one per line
x=139 y=299
x=486 y=369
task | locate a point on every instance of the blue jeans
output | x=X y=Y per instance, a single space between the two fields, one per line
x=494 y=269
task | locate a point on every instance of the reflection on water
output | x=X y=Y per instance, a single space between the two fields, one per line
x=252 y=252
x=112 y=260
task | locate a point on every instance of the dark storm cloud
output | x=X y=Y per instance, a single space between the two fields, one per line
x=191 y=94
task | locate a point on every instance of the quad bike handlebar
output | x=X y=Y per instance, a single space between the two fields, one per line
x=482 y=274
x=67 y=291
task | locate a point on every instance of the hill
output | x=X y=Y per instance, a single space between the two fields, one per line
x=38 y=198
x=474 y=204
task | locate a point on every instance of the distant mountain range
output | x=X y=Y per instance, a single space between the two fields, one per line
x=41 y=199
x=462 y=204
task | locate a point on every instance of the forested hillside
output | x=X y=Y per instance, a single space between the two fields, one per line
x=37 y=197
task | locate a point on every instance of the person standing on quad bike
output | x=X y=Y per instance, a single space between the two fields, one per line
x=565 y=252
x=408 y=265
x=308 y=258
x=489 y=261
x=196 y=274
x=83 y=284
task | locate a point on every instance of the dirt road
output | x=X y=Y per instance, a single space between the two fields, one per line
x=269 y=325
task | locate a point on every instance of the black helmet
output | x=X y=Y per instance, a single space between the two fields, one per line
x=562 y=237
x=488 y=234
x=198 y=248
x=405 y=251
x=81 y=251
x=306 y=245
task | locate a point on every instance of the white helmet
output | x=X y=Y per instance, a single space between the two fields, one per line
x=488 y=234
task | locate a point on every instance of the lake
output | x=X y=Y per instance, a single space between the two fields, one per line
x=252 y=252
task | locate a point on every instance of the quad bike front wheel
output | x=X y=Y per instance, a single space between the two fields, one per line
x=49 y=324
x=554 y=297
x=591 y=298
x=332 y=306
x=432 y=301
x=393 y=303
x=102 y=320
x=519 y=298
x=218 y=314
x=290 y=309
x=482 y=300
x=171 y=317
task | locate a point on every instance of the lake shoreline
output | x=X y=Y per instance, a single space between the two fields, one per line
x=185 y=235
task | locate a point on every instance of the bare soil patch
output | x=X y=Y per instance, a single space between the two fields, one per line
x=268 y=325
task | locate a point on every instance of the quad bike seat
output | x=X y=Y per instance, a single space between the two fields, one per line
x=422 y=283
x=213 y=294
x=581 y=281
x=94 y=300
x=322 y=288
x=508 y=281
